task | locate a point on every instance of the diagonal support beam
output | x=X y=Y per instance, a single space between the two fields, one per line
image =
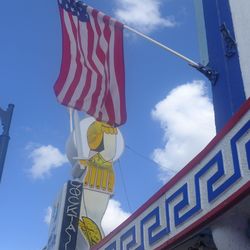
x=6 y=117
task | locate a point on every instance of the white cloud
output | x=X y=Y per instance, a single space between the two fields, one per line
x=142 y=14
x=47 y=217
x=45 y=158
x=113 y=217
x=187 y=118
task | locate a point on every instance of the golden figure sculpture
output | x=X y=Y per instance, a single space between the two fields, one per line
x=92 y=149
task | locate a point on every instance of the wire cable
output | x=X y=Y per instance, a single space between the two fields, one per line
x=146 y=158
x=124 y=186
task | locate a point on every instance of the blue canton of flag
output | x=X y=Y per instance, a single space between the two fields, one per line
x=76 y=8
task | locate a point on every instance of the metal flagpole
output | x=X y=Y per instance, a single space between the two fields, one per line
x=71 y=119
x=78 y=136
x=191 y=62
x=211 y=74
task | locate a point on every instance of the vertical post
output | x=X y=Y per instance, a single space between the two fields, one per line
x=6 y=117
x=228 y=91
x=78 y=136
x=71 y=111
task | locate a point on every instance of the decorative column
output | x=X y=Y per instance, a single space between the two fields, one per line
x=221 y=53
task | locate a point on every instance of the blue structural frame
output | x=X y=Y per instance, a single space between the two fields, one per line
x=5 y=117
x=228 y=90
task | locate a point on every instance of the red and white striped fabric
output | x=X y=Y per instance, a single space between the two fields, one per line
x=92 y=77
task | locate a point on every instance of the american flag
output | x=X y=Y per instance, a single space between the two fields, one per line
x=92 y=77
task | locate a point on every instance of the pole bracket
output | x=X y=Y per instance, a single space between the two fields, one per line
x=211 y=74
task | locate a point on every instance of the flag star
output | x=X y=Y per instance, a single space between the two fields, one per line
x=82 y=13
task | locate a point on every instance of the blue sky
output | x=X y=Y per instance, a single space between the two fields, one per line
x=170 y=115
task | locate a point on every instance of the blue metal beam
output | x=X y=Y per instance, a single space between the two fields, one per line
x=6 y=117
x=228 y=91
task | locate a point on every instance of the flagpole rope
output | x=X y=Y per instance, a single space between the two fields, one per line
x=191 y=62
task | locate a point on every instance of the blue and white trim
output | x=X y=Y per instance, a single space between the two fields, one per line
x=210 y=183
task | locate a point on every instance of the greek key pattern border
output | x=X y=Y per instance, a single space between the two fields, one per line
x=223 y=171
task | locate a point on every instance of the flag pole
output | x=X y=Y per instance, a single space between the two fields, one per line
x=71 y=119
x=78 y=135
x=188 y=60
x=210 y=73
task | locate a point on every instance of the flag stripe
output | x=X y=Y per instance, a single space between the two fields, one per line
x=73 y=51
x=92 y=70
x=95 y=63
x=84 y=101
x=120 y=72
x=107 y=35
x=66 y=57
x=92 y=92
x=114 y=99
x=70 y=91
x=90 y=50
x=101 y=65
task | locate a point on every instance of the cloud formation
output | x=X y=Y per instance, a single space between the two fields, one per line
x=44 y=159
x=142 y=14
x=186 y=116
x=113 y=217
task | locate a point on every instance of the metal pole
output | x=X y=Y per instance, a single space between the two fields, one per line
x=71 y=119
x=6 y=117
x=189 y=61
x=210 y=73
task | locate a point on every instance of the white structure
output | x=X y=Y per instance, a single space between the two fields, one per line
x=210 y=187
x=92 y=149
x=241 y=22
x=212 y=191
